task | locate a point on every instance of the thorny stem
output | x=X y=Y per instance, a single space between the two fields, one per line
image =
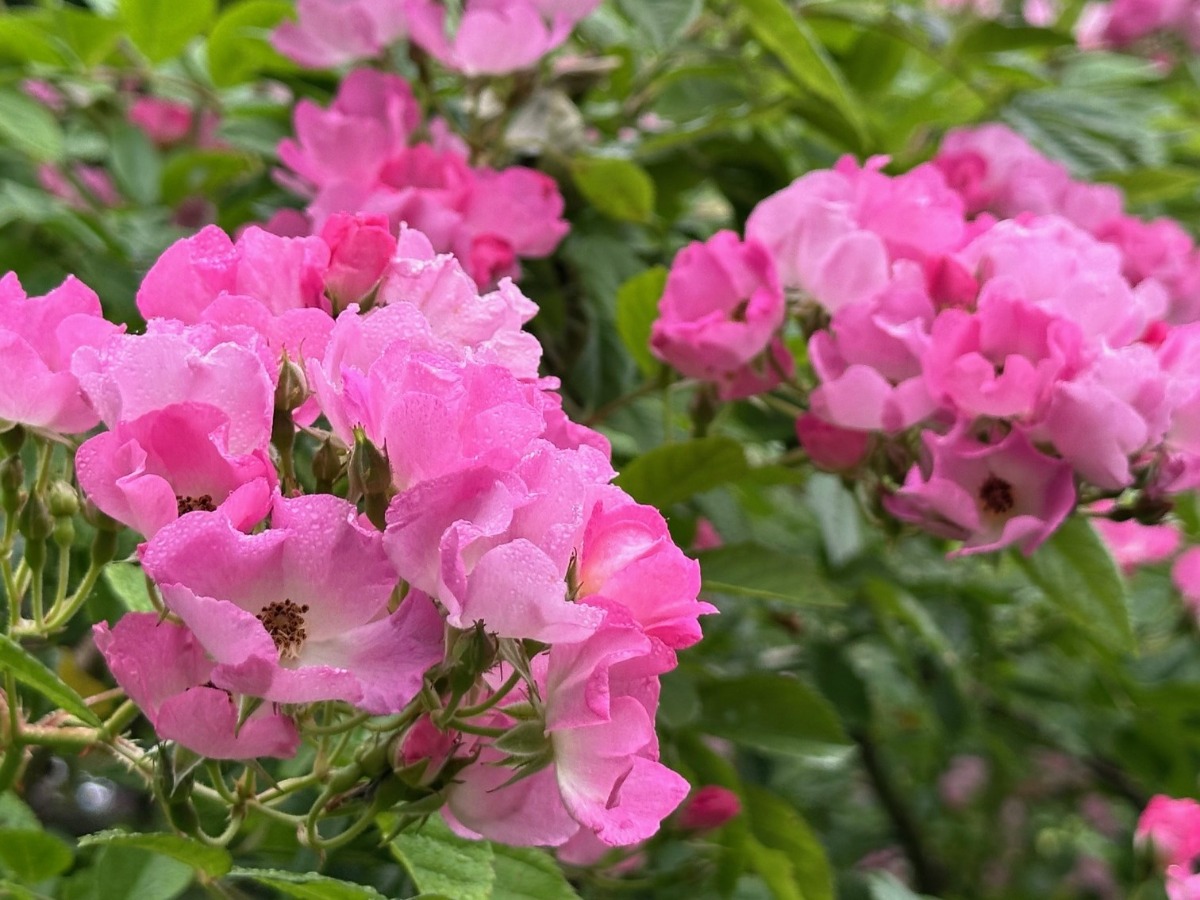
x=929 y=876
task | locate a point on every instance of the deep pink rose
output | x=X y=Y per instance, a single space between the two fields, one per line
x=721 y=307
x=986 y=495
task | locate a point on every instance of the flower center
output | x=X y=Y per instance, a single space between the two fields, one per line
x=996 y=495
x=284 y=621
x=191 y=504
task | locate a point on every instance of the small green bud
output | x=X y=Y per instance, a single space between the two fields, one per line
x=12 y=439
x=292 y=389
x=327 y=464
x=63 y=500
x=35 y=522
x=64 y=533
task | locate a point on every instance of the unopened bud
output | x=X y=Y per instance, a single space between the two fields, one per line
x=64 y=532
x=12 y=479
x=12 y=439
x=292 y=389
x=709 y=807
x=63 y=500
x=35 y=522
x=327 y=464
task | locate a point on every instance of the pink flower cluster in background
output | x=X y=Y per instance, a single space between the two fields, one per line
x=1159 y=26
x=1016 y=327
x=1170 y=829
x=370 y=152
x=490 y=37
x=496 y=513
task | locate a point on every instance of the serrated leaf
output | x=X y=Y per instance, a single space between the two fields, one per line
x=135 y=163
x=162 y=28
x=202 y=172
x=27 y=35
x=1076 y=571
x=662 y=21
x=838 y=517
x=127 y=873
x=751 y=570
x=1144 y=185
x=619 y=188
x=15 y=814
x=30 y=672
x=30 y=128
x=675 y=472
x=886 y=886
x=212 y=861
x=308 y=885
x=780 y=827
x=806 y=59
x=996 y=37
x=127 y=582
x=637 y=308
x=526 y=873
x=33 y=855
x=237 y=46
x=89 y=36
x=442 y=862
x=775 y=713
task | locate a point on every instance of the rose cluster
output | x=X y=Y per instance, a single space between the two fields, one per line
x=990 y=341
x=1170 y=829
x=370 y=152
x=490 y=37
x=354 y=487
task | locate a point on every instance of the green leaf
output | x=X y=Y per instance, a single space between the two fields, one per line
x=135 y=163
x=29 y=671
x=778 y=826
x=662 y=21
x=805 y=58
x=994 y=37
x=675 y=472
x=775 y=713
x=89 y=36
x=1076 y=571
x=33 y=855
x=886 y=886
x=307 y=885
x=27 y=35
x=30 y=128
x=1144 y=185
x=15 y=814
x=637 y=308
x=616 y=187
x=751 y=570
x=203 y=172
x=127 y=873
x=838 y=517
x=526 y=873
x=162 y=28
x=212 y=861
x=127 y=582
x=238 y=50
x=440 y=861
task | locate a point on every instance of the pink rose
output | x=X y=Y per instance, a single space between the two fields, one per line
x=329 y=33
x=721 y=307
x=986 y=495
x=298 y=612
x=165 y=671
x=38 y=336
